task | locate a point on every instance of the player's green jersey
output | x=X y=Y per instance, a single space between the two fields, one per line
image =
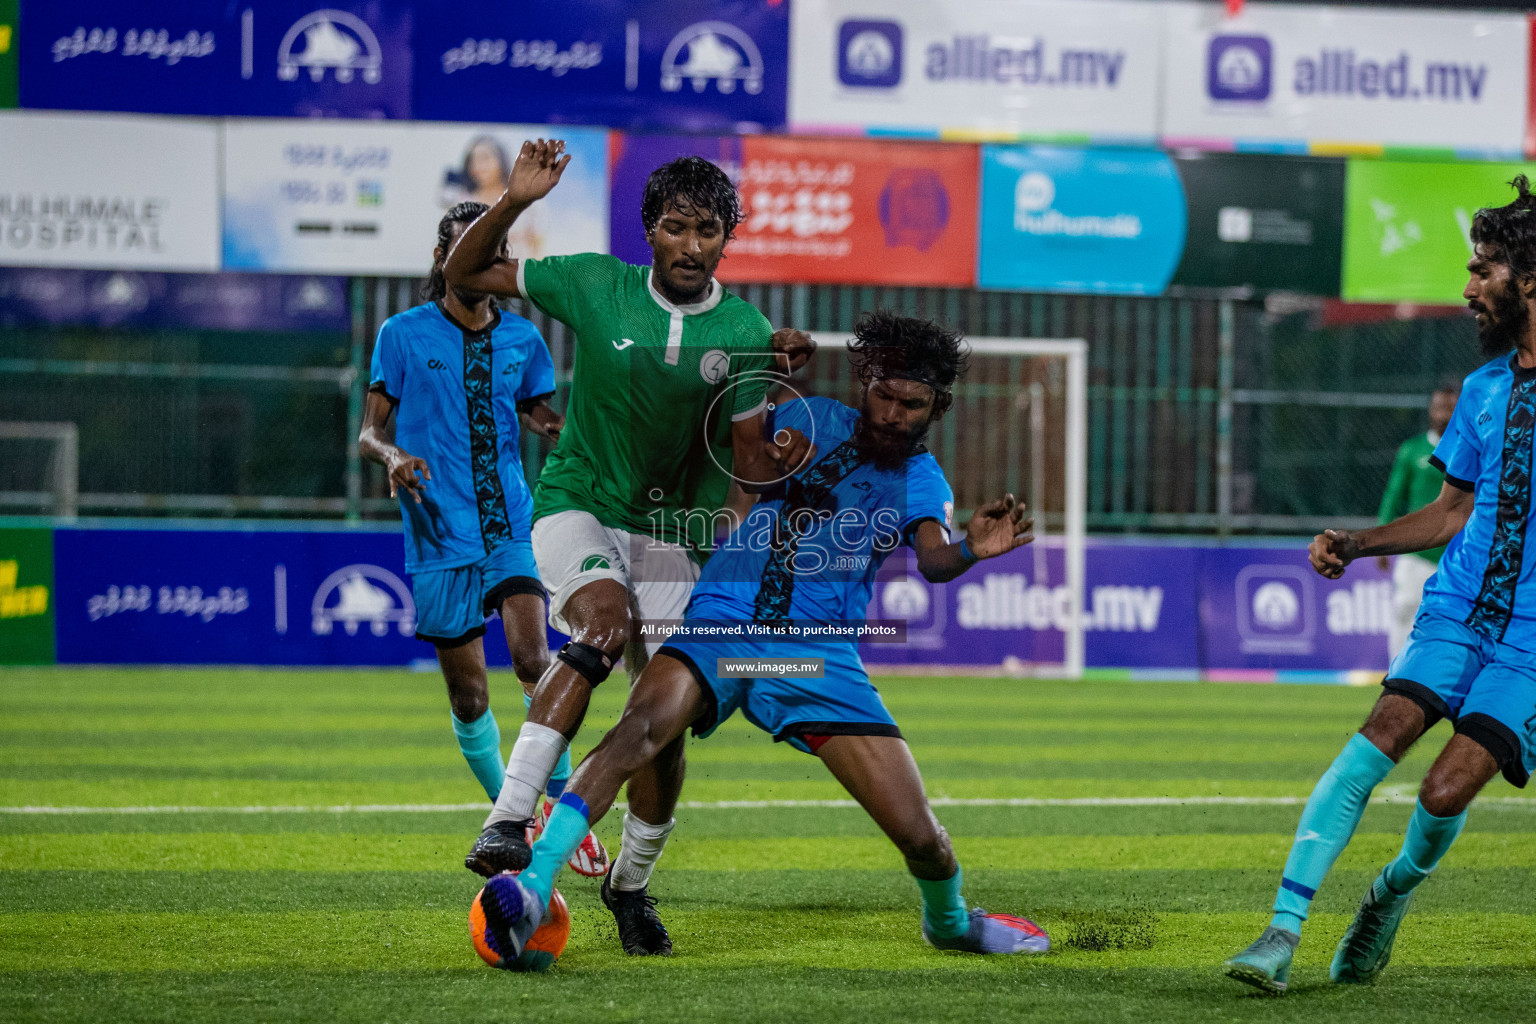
x=655 y=390
x=1414 y=483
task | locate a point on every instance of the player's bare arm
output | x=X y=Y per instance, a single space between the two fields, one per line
x=476 y=263
x=376 y=443
x=1430 y=527
x=795 y=345
x=538 y=418
x=997 y=528
x=762 y=461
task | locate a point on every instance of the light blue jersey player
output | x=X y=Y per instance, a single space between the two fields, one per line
x=452 y=378
x=1471 y=657
x=802 y=565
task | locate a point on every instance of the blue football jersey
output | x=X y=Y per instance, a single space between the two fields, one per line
x=457 y=392
x=1485 y=575
x=811 y=546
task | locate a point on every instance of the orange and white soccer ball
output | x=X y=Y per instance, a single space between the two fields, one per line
x=544 y=946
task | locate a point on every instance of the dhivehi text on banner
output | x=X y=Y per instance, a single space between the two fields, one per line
x=1055 y=218
x=684 y=65
x=822 y=210
x=1289 y=77
x=1075 y=69
x=271 y=58
x=80 y=190
x=1267 y=223
x=1406 y=226
x=365 y=198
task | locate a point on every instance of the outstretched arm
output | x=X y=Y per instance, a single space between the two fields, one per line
x=376 y=443
x=996 y=529
x=476 y=262
x=538 y=418
x=1430 y=527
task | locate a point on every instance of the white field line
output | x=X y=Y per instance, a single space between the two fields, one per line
x=1500 y=803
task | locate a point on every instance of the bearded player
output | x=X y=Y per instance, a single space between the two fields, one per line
x=1471 y=657
x=667 y=404
x=451 y=379
x=805 y=560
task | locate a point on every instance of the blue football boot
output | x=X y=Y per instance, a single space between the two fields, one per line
x=994 y=933
x=1266 y=964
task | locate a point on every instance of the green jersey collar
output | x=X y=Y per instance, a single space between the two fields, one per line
x=709 y=302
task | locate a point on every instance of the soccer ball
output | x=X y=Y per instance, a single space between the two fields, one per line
x=544 y=946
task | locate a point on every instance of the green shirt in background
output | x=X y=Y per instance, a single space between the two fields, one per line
x=1414 y=483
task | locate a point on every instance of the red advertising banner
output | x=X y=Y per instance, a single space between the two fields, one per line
x=822 y=211
x=855 y=211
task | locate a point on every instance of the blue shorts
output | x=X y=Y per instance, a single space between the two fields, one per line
x=453 y=604
x=1487 y=688
x=801 y=712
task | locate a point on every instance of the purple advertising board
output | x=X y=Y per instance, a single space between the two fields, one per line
x=259 y=58
x=632 y=159
x=58 y=296
x=684 y=65
x=341 y=597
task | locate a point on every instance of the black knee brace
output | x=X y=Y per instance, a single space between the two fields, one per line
x=591 y=663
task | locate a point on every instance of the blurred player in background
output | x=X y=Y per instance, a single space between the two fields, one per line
x=1471 y=657
x=451 y=379
x=657 y=427
x=1415 y=482
x=807 y=556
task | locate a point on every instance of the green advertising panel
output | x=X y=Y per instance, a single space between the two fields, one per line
x=8 y=48
x=1262 y=222
x=1406 y=226
x=26 y=597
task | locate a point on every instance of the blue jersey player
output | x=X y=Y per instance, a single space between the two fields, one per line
x=802 y=563
x=1471 y=657
x=451 y=379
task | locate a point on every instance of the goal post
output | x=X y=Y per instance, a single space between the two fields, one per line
x=1019 y=423
x=41 y=453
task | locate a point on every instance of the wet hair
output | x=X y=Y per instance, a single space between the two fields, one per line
x=1508 y=233
x=888 y=345
x=690 y=183
x=503 y=161
x=464 y=213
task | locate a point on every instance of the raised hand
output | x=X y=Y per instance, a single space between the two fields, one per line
x=998 y=527
x=1331 y=551
x=795 y=344
x=536 y=171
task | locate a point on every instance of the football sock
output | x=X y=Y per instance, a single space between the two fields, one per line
x=563 y=832
x=562 y=775
x=480 y=743
x=534 y=756
x=1426 y=842
x=944 y=910
x=1327 y=823
x=642 y=844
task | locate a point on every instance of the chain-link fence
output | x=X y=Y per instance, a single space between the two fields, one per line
x=1205 y=415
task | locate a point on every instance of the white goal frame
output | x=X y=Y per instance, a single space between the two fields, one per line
x=1075 y=533
x=63 y=466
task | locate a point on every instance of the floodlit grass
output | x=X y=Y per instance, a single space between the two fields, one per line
x=778 y=914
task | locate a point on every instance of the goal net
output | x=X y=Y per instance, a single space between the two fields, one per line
x=39 y=468
x=1018 y=425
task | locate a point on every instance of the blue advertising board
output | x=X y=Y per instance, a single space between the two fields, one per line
x=57 y=296
x=1055 y=218
x=691 y=65
x=261 y=58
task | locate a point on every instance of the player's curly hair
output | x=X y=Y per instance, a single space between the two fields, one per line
x=886 y=344
x=690 y=183
x=436 y=285
x=1509 y=232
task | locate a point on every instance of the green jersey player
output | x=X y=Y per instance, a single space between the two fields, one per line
x=667 y=407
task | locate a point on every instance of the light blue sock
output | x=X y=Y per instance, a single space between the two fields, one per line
x=562 y=774
x=1327 y=823
x=480 y=743
x=944 y=909
x=563 y=832
x=1426 y=842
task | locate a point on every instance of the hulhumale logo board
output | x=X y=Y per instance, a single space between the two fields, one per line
x=275 y=58
x=1286 y=77
x=692 y=65
x=1060 y=219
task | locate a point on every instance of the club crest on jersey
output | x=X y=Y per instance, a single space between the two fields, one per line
x=594 y=562
x=714 y=365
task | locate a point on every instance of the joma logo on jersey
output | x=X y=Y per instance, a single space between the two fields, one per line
x=623 y=343
x=436 y=364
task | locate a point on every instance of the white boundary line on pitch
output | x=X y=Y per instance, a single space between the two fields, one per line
x=1500 y=802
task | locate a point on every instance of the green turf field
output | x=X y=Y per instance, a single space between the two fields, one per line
x=778 y=913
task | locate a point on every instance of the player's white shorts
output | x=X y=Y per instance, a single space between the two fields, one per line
x=1409 y=574
x=573 y=549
